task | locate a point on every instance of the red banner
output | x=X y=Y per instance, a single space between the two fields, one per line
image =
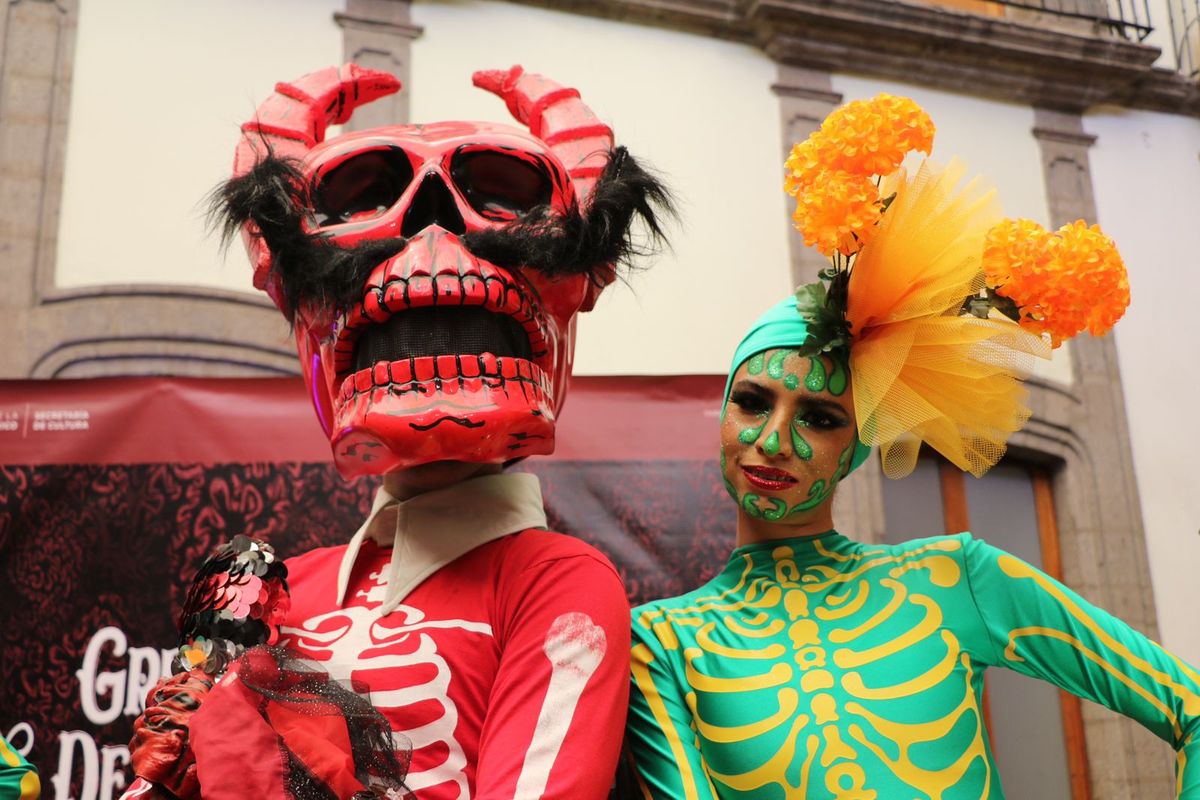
x=113 y=491
x=206 y=421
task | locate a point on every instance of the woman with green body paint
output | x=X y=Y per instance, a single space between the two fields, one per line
x=814 y=666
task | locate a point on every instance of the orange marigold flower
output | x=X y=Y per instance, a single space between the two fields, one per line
x=1063 y=282
x=1014 y=251
x=865 y=137
x=837 y=211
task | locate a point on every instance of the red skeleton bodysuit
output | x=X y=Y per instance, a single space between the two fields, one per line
x=500 y=657
x=432 y=274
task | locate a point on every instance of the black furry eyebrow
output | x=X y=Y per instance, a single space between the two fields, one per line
x=589 y=240
x=309 y=268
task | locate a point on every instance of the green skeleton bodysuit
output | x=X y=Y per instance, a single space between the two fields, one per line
x=819 y=667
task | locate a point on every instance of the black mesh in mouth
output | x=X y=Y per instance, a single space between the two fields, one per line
x=441 y=331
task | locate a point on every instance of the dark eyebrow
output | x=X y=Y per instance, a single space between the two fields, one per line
x=747 y=385
x=818 y=404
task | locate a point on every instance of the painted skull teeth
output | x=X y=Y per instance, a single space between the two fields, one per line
x=448 y=375
x=479 y=285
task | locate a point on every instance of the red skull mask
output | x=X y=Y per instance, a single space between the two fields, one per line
x=404 y=256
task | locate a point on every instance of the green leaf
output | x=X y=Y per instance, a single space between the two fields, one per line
x=810 y=300
x=826 y=318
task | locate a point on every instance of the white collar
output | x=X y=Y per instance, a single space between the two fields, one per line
x=434 y=528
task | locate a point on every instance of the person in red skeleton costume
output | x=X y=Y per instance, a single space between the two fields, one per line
x=432 y=274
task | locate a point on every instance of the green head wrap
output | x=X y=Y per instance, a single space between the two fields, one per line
x=782 y=326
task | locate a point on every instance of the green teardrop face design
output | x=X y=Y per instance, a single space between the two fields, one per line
x=771 y=445
x=750 y=435
x=754 y=365
x=839 y=378
x=816 y=379
x=833 y=379
x=775 y=363
x=800 y=445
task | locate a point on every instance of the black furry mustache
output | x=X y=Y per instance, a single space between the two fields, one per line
x=313 y=271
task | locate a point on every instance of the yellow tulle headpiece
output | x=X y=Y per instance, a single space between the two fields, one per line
x=946 y=303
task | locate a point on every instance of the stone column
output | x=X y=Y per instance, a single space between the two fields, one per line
x=805 y=98
x=379 y=34
x=1100 y=520
x=37 y=45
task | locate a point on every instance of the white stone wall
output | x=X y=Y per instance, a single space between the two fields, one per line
x=159 y=90
x=1146 y=173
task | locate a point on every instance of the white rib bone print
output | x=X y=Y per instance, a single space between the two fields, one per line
x=355 y=640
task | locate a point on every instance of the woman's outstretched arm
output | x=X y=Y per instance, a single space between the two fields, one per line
x=1040 y=628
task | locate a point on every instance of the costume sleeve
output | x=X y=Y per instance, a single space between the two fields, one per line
x=557 y=708
x=1042 y=629
x=19 y=778
x=660 y=734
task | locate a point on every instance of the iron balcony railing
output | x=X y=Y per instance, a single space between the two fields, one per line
x=1128 y=18
x=1183 y=17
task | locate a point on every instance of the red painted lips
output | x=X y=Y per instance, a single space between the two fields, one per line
x=768 y=478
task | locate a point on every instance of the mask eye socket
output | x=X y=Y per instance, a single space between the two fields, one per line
x=361 y=188
x=500 y=186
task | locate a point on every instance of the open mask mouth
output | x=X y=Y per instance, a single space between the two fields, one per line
x=436 y=331
x=416 y=334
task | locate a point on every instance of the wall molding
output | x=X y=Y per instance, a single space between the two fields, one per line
x=1031 y=59
x=95 y=330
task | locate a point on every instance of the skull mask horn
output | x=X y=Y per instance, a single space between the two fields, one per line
x=556 y=115
x=291 y=122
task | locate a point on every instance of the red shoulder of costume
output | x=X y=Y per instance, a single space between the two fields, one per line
x=534 y=546
x=312 y=578
x=315 y=558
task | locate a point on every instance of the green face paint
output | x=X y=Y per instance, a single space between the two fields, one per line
x=750 y=435
x=832 y=378
x=818 y=492
x=800 y=445
x=725 y=478
x=775 y=363
x=839 y=379
x=777 y=511
x=815 y=381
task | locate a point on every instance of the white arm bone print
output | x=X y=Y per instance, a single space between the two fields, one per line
x=575 y=646
x=356 y=640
